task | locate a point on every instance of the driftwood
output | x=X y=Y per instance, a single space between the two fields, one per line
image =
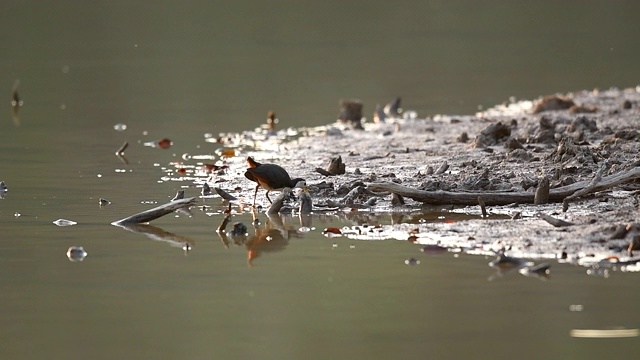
x=553 y=221
x=582 y=192
x=156 y=212
x=502 y=198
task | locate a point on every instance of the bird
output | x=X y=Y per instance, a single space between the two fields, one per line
x=270 y=177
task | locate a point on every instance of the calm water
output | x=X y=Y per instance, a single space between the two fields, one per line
x=180 y=70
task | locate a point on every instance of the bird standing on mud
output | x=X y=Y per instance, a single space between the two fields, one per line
x=270 y=177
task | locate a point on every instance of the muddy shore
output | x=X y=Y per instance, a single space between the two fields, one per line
x=512 y=147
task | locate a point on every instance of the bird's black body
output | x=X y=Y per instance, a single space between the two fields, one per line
x=270 y=177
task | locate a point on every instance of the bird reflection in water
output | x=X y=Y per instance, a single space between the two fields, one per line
x=272 y=236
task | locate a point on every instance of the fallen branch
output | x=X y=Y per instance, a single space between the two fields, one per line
x=502 y=198
x=156 y=212
x=553 y=221
x=582 y=192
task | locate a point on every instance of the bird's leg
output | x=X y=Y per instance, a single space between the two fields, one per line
x=255 y=194
x=270 y=202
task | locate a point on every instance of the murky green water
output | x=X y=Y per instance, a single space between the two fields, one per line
x=180 y=70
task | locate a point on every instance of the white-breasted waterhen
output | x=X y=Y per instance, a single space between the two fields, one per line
x=270 y=177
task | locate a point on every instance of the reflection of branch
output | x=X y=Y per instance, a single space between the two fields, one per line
x=120 y=153
x=156 y=212
x=16 y=116
x=122 y=158
x=158 y=234
x=16 y=103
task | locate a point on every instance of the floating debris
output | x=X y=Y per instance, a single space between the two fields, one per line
x=506 y=262
x=3 y=189
x=76 y=253
x=434 y=249
x=104 y=202
x=412 y=261
x=162 y=143
x=206 y=190
x=332 y=232
x=226 y=153
x=598 y=272
x=272 y=120
x=120 y=127
x=540 y=271
x=225 y=195
x=576 y=307
x=64 y=222
x=16 y=103
x=179 y=195
x=209 y=168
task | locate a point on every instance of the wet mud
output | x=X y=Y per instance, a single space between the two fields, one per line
x=575 y=141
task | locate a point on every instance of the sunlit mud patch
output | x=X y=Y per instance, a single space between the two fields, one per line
x=551 y=178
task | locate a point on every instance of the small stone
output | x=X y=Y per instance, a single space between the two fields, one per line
x=76 y=253
x=412 y=261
